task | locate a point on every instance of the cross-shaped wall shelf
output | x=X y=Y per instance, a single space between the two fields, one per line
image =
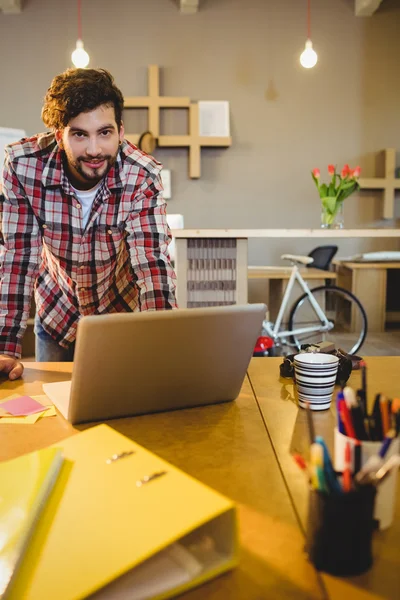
x=154 y=102
x=388 y=184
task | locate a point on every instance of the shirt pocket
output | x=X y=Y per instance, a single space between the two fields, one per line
x=56 y=240
x=109 y=243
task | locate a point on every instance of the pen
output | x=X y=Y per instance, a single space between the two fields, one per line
x=300 y=461
x=349 y=397
x=347 y=468
x=339 y=398
x=383 y=406
x=373 y=463
x=311 y=430
x=330 y=475
x=395 y=408
x=376 y=413
x=385 y=469
x=317 y=472
x=380 y=475
x=357 y=457
x=358 y=422
x=386 y=443
x=363 y=366
x=346 y=418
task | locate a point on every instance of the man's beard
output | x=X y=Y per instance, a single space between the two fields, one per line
x=89 y=174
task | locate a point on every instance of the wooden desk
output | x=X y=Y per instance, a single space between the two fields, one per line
x=225 y=446
x=242 y=449
x=367 y=281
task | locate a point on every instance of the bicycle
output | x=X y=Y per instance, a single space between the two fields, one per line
x=325 y=312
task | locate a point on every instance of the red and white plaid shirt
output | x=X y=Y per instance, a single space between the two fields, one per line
x=118 y=263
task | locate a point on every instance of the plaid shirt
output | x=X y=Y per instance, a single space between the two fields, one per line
x=118 y=263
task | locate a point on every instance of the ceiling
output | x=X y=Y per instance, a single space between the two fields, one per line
x=362 y=8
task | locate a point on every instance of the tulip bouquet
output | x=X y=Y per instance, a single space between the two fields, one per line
x=332 y=195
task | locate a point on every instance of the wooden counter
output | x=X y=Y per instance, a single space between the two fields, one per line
x=211 y=264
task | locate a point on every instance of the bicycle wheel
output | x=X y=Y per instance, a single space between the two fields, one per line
x=341 y=307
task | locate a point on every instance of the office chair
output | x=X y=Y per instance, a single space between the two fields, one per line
x=322 y=256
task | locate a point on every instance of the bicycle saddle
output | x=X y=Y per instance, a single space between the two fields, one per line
x=302 y=260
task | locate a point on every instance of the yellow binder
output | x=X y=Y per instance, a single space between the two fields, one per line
x=25 y=486
x=123 y=523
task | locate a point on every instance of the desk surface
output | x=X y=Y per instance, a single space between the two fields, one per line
x=241 y=449
x=286 y=233
x=368 y=265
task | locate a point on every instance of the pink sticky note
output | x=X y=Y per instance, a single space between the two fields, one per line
x=22 y=406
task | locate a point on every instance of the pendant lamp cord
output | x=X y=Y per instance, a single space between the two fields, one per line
x=79 y=21
x=309 y=19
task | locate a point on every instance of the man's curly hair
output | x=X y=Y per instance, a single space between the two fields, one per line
x=80 y=90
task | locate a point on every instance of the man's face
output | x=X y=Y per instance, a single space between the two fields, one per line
x=90 y=142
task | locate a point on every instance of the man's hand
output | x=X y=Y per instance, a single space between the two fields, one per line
x=11 y=365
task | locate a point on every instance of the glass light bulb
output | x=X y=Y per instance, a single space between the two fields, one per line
x=80 y=57
x=308 y=58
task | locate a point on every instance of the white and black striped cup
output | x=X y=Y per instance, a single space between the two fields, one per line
x=315 y=376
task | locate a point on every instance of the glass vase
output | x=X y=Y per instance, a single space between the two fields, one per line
x=332 y=220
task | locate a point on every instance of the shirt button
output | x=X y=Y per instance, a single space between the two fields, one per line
x=78 y=205
x=109 y=231
x=81 y=267
x=44 y=226
x=83 y=289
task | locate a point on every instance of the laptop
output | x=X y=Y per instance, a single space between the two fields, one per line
x=137 y=363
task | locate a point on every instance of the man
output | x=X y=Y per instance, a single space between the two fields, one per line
x=83 y=222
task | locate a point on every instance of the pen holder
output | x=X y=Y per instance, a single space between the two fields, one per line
x=386 y=491
x=339 y=531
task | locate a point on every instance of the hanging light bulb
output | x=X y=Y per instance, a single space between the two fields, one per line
x=80 y=58
x=308 y=57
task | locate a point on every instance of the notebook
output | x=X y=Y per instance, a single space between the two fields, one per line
x=25 y=487
x=123 y=523
x=136 y=363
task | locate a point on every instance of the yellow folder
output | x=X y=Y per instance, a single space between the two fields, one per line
x=123 y=523
x=25 y=486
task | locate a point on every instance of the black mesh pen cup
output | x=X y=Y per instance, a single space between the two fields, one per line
x=339 y=531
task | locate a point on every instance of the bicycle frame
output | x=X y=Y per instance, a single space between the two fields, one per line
x=272 y=329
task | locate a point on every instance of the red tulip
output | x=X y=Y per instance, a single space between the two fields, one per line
x=331 y=169
x=357 y=172
x=345 y=171
x=316 y=173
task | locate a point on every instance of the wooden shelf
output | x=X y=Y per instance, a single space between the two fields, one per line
x=388 y=184
x=193 y=141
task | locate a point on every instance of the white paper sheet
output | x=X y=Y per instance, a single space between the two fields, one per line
x=214 y=119
x=168 y=569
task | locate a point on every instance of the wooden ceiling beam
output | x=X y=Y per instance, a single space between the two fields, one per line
x=10 y=6
x=189 y=6
x=366 y=8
